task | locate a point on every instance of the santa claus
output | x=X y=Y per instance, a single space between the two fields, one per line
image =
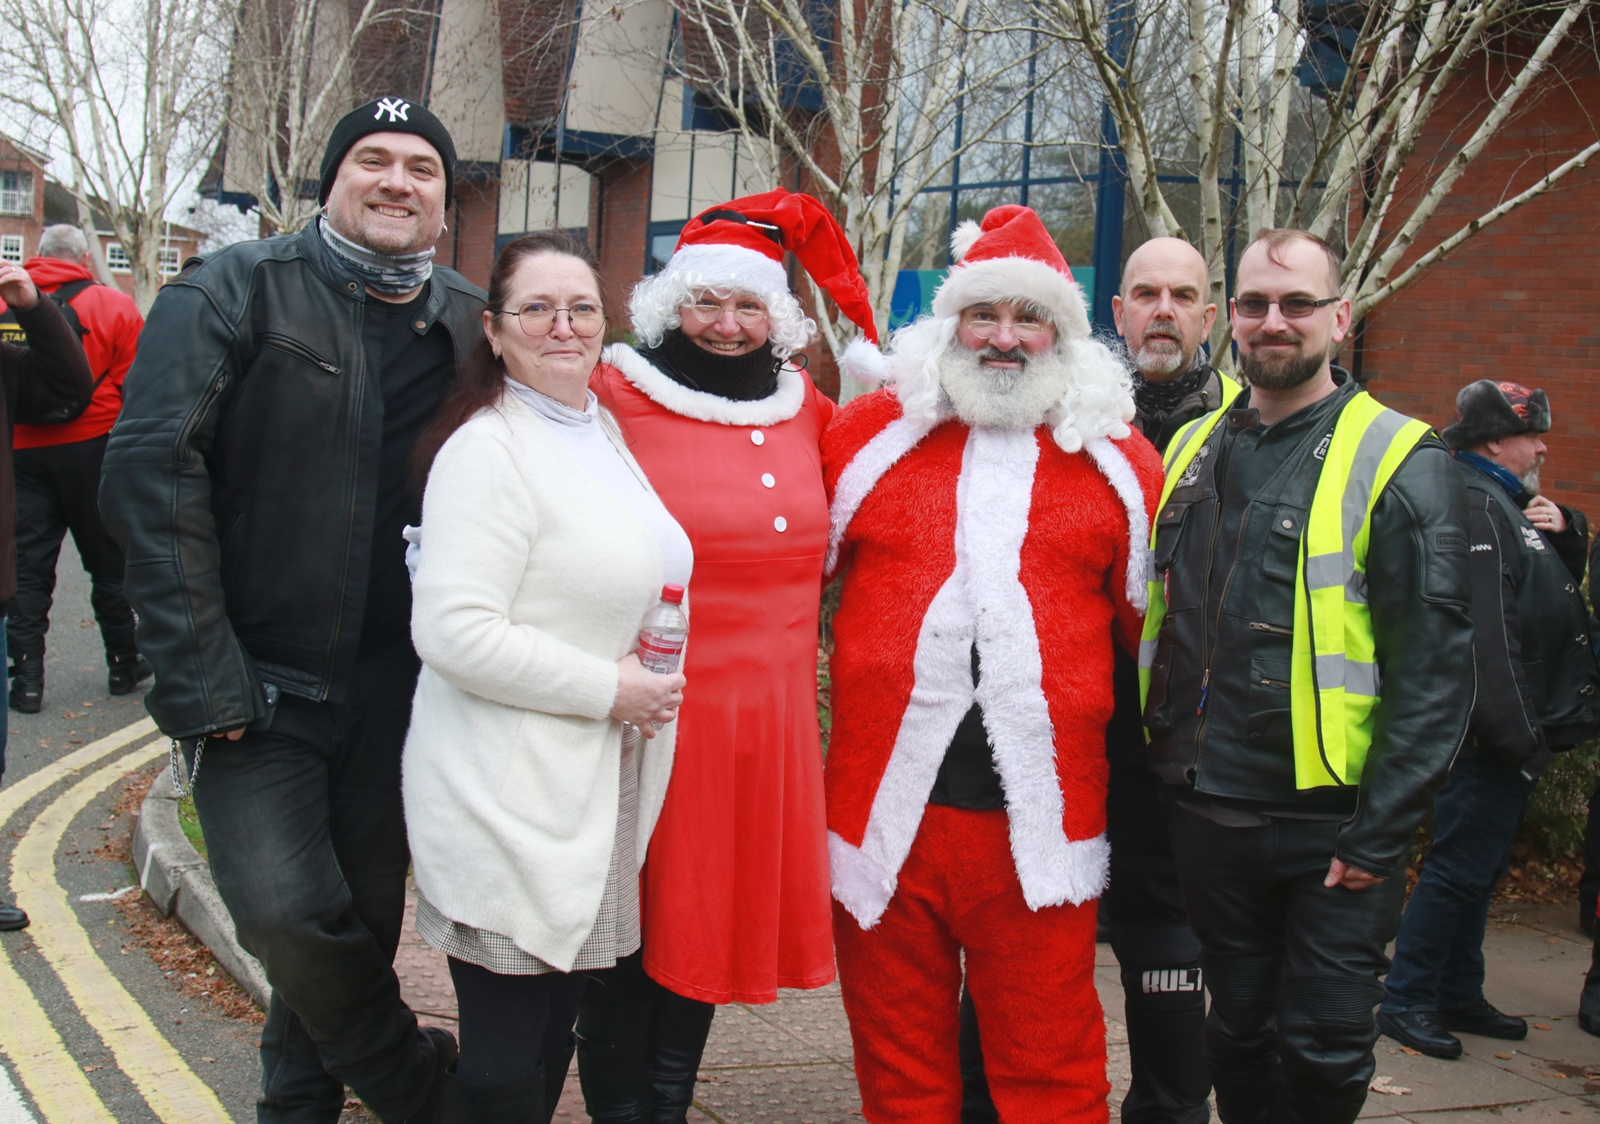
x=989 y=510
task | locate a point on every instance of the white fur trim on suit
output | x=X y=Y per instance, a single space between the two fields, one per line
x=983 y=601
x=779 y=406
x=1114 y=467
x=862 y=474
x=1012 y=279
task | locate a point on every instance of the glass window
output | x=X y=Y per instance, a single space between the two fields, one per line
x=170 y=261
x=117 y=258
x=11 y=248
x=16 y=193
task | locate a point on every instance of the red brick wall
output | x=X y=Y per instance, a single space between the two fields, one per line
x=1519 y=299
x=619 y=224
x=474 y=219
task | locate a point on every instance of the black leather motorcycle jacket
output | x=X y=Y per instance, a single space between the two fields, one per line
x=241 y=476
x=1228 y=543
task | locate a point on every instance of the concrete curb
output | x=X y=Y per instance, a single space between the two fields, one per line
x=179 y=881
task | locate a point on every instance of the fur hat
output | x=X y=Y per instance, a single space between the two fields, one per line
x=1488 y=410
x=1010 y=256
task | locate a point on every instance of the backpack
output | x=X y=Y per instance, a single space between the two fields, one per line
x=11 y=332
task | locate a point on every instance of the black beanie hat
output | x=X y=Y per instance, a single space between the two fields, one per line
x=1488 y=410
x=388 y=115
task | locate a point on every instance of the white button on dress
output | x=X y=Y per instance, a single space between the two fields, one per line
x=781 y=523
x=757 y=437
x=768 y=480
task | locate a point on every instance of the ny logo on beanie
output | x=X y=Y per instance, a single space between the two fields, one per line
x=396 y=108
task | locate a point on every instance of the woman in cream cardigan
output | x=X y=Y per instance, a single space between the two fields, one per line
x=528 y=811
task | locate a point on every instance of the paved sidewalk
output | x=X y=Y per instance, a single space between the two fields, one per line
x=789 y=1062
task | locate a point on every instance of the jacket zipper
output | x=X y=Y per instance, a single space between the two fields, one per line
x=197 y=415
x=298 y=349
x=1219 y=485
x=349 y=532
x=1263 y=626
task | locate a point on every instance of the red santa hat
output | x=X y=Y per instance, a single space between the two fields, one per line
x=739 y=246
x=1010 y=256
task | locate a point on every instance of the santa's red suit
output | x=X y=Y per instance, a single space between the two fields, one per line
x=951 y=537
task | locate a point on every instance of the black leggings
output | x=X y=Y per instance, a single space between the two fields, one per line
x=509 y=1022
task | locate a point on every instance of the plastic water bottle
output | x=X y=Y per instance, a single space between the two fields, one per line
x=663 y=633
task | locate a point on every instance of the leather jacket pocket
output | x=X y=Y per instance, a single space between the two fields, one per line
x=1172 y=525
x=1280 y=555
x=291 y=346
x=1268 y=702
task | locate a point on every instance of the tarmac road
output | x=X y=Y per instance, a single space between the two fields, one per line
x=91 y=1030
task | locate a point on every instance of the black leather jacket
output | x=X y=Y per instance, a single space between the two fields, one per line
x=1218 y=708
x=1537 y=675
x=241 y=477
x=1162 y=430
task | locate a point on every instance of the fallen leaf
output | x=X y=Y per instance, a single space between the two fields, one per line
x=1409 y=1050
x=1541 y=1026
x=92 y=1068
x=1381 y=1085
x=1504 y=1057
x=208 y=1059
x=1552 y=1073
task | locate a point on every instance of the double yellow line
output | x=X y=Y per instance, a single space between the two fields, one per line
x=27 y=1037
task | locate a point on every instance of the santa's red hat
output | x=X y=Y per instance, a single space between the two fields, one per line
x=739 y=246
x=1010 y=256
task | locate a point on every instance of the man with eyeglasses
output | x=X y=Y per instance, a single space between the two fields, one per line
x=989 y=513
x=259 y=479
x=1307 y=669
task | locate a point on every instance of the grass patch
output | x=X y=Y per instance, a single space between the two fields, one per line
x=189 y=821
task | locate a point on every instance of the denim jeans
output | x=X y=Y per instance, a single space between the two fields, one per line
x=307 y=842
x=1438 y=956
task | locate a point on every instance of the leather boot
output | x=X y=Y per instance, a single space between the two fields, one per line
x=613 y=1040
x=127 y=672
x=27 y=684
x=555 y=1077
x=676 y=1045
x=520 y=1101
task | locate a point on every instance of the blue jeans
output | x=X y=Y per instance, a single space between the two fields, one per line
x=1438 y=956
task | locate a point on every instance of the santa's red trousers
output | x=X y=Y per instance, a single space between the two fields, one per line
x=1031 y=975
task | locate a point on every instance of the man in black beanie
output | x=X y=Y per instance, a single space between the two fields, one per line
x=258 y=479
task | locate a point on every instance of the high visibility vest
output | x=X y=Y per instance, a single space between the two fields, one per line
x=1334 y=682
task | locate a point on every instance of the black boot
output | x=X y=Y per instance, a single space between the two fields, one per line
x=520 y=1101
x=676 y=1044
x=27 y=684
x=127 y=672
x=613 y=1039
x=12 y=918
x=1589 y=1001
x=555 y=1077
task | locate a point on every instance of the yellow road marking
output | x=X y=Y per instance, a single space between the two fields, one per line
x=42 y=1062
x=172 y=1090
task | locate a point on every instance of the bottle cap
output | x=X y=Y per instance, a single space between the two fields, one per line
x=672 y=594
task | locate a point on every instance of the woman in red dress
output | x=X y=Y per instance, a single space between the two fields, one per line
x=735 y=897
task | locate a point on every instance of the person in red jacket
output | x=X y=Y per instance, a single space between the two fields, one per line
x=990 y=510
x=734 y=892
x=58 y=479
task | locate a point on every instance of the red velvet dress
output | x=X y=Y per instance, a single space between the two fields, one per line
x=735 y=894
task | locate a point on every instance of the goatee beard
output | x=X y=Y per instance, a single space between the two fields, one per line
x=1530 y=481
x=1003 y=398
x=1280 y=374
x=1159 y=364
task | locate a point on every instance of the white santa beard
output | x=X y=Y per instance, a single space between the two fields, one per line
x=1003 y=398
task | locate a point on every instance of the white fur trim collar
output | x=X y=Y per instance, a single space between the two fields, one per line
x=781 y=405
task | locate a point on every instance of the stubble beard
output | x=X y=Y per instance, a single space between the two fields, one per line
x=1001 y=398
x=361 y=230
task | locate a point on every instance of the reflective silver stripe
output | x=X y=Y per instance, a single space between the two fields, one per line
x=1179 y=440
x=1370 y=452
x=1147 y=654
x=1324 y=571
x=1355 y=677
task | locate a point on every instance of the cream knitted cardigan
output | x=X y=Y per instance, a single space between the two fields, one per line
x=532 y=583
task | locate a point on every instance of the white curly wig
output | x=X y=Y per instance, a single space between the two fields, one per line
x=722 y=271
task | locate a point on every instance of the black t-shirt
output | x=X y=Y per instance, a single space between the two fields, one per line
x=967 y=776
x=413 y=372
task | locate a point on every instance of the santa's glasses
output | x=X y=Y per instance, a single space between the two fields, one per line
x=985 y=324
x=749 y=314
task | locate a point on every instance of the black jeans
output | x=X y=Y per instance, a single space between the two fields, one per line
x=307 y=842
x=508 y=1023
x=57 y=492
x=1292 y=967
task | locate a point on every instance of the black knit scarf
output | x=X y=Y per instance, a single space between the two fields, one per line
x=1155 y=401
x=740 y=378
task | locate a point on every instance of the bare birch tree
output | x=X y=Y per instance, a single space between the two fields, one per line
x=1360 y=163
x=128 y=93
x=861 y=100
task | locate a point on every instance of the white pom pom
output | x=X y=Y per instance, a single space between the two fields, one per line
x=962 y=238
x=863 y=362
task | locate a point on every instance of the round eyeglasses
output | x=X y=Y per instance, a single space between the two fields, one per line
x=1292 y=308
x=1024 y=330
x=705 y=312
x=539 y=319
